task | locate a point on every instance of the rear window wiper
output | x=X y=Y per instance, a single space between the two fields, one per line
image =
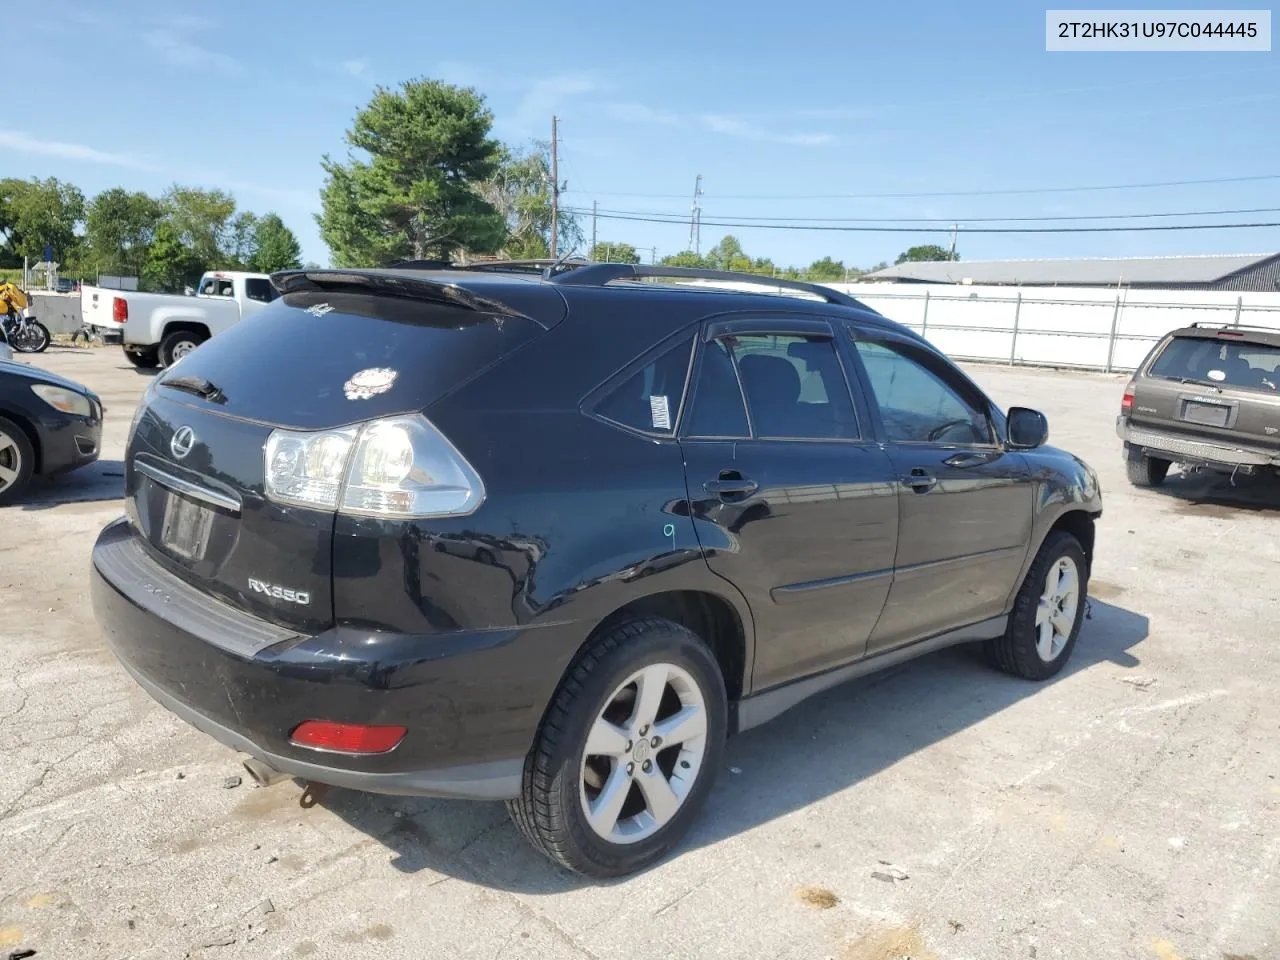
x=197 y=385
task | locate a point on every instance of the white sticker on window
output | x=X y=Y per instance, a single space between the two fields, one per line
x=660 y=412
x=1217 y=375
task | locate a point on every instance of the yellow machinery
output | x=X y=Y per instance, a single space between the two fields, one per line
x=13 y=298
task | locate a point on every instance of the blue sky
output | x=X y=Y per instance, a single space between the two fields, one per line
x=771 y=104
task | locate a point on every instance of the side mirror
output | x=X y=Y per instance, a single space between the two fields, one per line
x=1028 y=428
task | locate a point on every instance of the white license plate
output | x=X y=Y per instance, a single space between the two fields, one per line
x=186 y=527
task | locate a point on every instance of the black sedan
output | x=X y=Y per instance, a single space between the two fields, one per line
x=48 y=425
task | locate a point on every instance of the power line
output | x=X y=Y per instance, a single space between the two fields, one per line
x=944 y=193
x=947 y=220
x=946 y=229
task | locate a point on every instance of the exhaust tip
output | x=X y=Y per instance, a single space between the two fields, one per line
x=262 y=774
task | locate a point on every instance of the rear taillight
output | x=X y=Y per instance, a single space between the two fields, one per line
x=355 y=738
x=1126 y=402
x=119 y=309
x=401 y=467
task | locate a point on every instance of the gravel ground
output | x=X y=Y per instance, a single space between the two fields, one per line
x=1128 y=809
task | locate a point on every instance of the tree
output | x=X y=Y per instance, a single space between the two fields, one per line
x=411 y=192
x=685 y=258
x=521 y=192
x=926 y=252
x=170 y=264
x=276 y=246
x=729 y=255
x=201 y=220
x=39 y=213
x=242 y=240
x=119 y=229
x=826 y=269
x=607 y=252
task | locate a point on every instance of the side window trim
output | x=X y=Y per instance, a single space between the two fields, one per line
x=703 y=347
x=934 y=365
x=602 y=391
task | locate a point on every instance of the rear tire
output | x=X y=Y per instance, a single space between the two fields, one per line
x=177 y=345
x=17 y=460
x=603 y=704
x=147 y=359
x=1145 y=471
x=1047 y=613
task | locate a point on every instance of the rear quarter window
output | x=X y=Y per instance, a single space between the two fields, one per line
x=647 y=395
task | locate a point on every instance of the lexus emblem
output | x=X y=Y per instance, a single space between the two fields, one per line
x=184 y=438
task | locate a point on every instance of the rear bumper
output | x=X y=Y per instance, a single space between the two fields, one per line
x=1181 y=449
x=471 y=702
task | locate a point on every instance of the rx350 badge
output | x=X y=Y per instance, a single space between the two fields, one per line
x=302 y=597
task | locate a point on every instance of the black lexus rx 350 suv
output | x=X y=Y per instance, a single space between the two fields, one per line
x=551 y=537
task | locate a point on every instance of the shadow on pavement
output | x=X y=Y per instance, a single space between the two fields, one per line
x=100 y=480
x=860 y=729
x=1205 y=493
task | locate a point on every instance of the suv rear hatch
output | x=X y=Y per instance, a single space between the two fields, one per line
x=1216 y=385
x=338 y=349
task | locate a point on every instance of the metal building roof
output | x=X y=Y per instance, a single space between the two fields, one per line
x=1099 y=271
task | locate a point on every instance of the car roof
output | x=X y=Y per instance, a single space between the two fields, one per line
x=548 y=301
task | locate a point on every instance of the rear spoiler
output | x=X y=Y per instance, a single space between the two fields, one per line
x=391 y=285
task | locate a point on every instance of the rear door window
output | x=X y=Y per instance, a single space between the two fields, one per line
x=1250 y=366
x=795 y=387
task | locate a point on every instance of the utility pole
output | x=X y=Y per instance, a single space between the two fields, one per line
x=653 y=258
x=555 y=183
x=955 y=229
x=695 y=218
x=593 y=227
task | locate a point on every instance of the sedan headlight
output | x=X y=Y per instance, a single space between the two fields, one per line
x=400 y=467
x=60 y=398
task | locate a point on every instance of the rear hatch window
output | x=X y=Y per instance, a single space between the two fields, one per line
x=293 y=363
x=1220 y=362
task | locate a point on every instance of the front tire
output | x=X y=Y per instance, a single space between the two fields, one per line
x=1145 y=471
x=627 y=752
x=34 y=339
x=177 y=345
x=1047 y=612
x=17 y=460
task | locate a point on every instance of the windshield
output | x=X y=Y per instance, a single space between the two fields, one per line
x=1251 y=366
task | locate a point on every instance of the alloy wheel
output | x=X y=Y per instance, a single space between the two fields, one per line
x=10 y=461
x=1056 y=612
x=643 y=753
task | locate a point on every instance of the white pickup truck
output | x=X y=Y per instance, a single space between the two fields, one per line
x=158 y=329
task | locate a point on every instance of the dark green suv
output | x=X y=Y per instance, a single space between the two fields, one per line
x=1207 y=397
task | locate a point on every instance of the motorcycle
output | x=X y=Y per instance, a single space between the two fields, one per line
x=24 y=334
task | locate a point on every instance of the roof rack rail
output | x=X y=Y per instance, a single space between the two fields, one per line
x=540 y=265
x=600 y=274
x=1214 y=325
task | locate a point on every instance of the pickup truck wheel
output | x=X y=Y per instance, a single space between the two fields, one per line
x=1047 y=612
x=143 y=359
x=627 y=752
x=177 y=345
x=1145 y=471
x=17 y=460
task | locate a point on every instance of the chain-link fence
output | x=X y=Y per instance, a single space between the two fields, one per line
x=1091 y=328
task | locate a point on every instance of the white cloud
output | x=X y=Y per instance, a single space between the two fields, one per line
x=743 y=130
x=543 y=97
x=20 y=142
x=354 y=68
x=632 y=112
x=177 y=51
